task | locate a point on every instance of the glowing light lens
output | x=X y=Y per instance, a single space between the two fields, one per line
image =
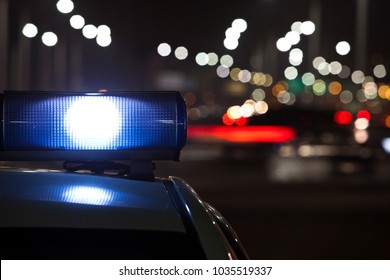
x=92 y=121
x=40 y=121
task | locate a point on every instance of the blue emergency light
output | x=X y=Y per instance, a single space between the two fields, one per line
x=92 y=125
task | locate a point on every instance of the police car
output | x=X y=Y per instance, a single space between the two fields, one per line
x=105 y=203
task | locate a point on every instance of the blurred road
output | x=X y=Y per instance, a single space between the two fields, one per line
x=315 y=214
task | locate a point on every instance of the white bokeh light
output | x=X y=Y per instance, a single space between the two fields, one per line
x=103 y=40
x=202 y=58
x=49 y=39
x=230 y=43
x=164 y=49
x=226 y=60
x=90 y=31
x=239 y=24
x=343 y=48
x=65 y=6
x=296 y=26
x=244 y=76
x=181 y=53
x=293 y=37
x=30 y=30
x=77 y=21
x=290 y=73
x=213 y=59
x=307 y=27
x=223 y=71
x=283 y=45
x=103 y=30
x=380 y=71
x=232 y=33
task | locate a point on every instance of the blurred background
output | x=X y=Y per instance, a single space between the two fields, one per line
x=288 y=104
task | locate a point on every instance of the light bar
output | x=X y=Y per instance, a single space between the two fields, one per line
x=114 y=125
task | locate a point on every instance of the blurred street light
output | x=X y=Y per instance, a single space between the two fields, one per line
x=77 y=21
x=65 y=6
x=30 y=30
x=49 y=39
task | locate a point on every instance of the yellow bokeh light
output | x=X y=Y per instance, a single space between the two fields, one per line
x=278 y=87
x=335 y=88
x=234 y=112
x=319 y=87
x=268 y=80
x=382 y=91
x=387 y=121
x=259 y=78
x=234 y=74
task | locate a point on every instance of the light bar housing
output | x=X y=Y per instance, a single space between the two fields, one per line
x=92 y=125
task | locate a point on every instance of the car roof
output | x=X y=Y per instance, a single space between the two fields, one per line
x=84 y=201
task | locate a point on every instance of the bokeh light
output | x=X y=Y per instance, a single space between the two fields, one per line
x=345 y=72
x=357 y=77
x=293 y=37
x=283 y=45
x=77 y=21
x=212 y=59
x=307 y=27
x=65 y=6
x=239 y=24
x=230 y=43
x=290 y=73
x=296 y=26
x=181 y=53
x=234 y=112
x=49 y=39
x=324 y=68
x=164 y=49
x=223 y=71
x=335 y=88
x=202 y=58
x=30 y=30
x=380 y=71
x=226 y=60
x=361 y=123
x=361 y=136
x=261 y=107
x=258 y=94
x=308 y=79
x=346 y=96
x=90 y=31
x=343 y=48
x=363 y=114
x=295 y=57
x=319 y=87
x=103 y=40
x=244 y=76
x=234 y=74
x=343 y=117
x=335 y=67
